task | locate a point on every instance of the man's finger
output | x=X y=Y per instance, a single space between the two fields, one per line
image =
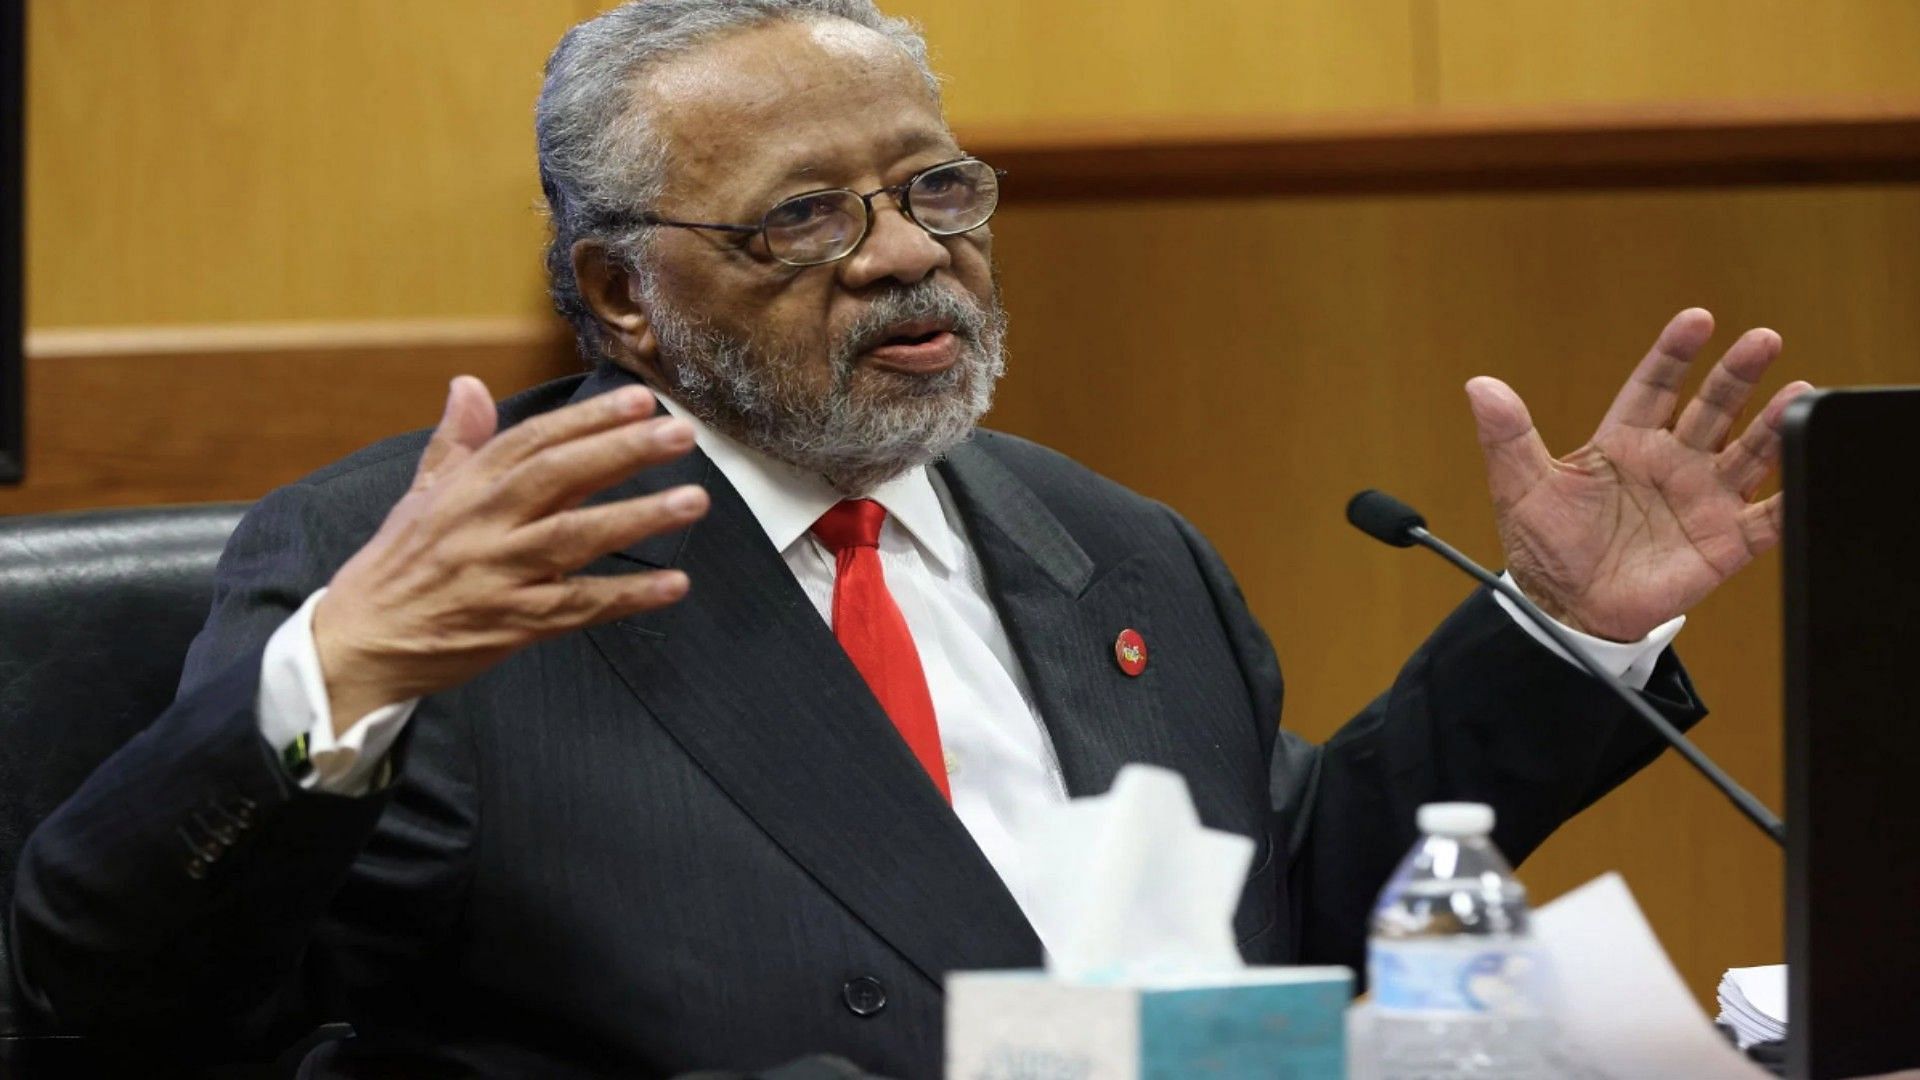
x=582 y=418
x=564 y=542
x=571 y=603
x=1648 y=398
x=466 y=424
x=1762 y=522
x=1744 y=465
x=565 y=474
x=1517 y=458
x=1707 y=419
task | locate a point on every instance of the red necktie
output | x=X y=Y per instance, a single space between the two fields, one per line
x=870 y=627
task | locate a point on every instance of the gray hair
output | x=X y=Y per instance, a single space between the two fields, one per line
x=600 y=162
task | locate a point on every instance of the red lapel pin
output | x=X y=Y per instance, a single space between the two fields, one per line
x=1130 y=651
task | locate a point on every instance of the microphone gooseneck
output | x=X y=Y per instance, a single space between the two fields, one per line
x=1391 y=521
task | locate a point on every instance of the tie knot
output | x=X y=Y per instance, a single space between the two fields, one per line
x=851 y=523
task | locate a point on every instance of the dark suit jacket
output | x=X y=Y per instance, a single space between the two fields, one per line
x=692 y=839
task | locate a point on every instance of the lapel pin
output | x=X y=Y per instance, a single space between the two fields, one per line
x=1130 y=651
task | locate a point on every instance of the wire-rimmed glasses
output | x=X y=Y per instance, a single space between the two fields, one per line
x=818 y=227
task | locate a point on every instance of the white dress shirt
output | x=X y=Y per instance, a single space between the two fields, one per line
x=1000 y=761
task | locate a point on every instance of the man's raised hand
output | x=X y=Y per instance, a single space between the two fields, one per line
x=1653 y=513
x=477 y=560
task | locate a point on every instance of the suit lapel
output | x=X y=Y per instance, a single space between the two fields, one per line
x=748 y=679
x=1062 y=613
x=1063 y=610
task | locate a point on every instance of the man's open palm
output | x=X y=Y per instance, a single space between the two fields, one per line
x=1652 y=513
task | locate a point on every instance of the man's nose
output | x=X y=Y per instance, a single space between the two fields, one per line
x=895 y=247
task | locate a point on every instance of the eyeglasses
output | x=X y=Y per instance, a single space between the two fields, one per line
x=818 y=227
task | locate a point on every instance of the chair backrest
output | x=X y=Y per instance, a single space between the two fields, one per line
x=96 y=612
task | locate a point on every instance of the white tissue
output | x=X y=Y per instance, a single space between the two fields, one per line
x=1130 y=887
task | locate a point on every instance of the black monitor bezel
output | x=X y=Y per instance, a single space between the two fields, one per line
x=1851 y=597
x=13 y=123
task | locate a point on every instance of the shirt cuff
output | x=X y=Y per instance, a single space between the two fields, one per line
x=1631 y=662
x=293 y=701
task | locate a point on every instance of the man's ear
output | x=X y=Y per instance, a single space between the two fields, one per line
x=608 y=288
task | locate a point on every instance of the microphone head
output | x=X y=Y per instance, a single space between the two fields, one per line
x=1384 y=517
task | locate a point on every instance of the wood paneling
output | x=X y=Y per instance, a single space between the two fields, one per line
x=1525 y=52
x=1255 y=362
x=1457 y=150
x=1012 y=61
x=1252 y=361
x=221 y=413
x=196 y=161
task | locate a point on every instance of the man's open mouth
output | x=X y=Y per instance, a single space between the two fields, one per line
x=921 y=346
x=915 y=332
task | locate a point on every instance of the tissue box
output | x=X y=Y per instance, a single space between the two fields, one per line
x=1276 y=1023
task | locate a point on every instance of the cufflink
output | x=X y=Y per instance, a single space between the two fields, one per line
x=295 y=760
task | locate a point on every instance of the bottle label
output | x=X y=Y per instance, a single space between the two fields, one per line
x=1462 y=975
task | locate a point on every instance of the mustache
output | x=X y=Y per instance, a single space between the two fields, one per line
x=926 y=300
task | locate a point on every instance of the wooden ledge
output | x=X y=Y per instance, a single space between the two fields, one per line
x=278 y=337
x=1439 y=150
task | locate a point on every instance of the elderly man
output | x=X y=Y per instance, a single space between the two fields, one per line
x=460 y=758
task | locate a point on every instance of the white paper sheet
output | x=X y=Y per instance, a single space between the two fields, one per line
x=1765 y=988
x=1753 y=1002
x=1621 y=1004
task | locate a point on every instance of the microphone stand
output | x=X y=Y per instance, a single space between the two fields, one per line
x=1754 y=810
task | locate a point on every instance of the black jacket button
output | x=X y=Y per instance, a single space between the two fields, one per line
x=196 y=868
x=864 y=995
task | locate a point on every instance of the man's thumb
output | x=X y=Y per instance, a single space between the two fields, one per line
x=465 y=426
x=1517 y=458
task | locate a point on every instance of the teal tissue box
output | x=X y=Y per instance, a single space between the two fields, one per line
x=1275 y=1023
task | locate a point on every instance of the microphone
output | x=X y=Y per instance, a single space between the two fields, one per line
x=1391 y=521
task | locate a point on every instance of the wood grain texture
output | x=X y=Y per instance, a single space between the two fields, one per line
x=1255 y=362
x=1727 y=144
x=1524 y=52
x=1013 y=61
x=193 y=161
x=196 y=161
x=231 y=414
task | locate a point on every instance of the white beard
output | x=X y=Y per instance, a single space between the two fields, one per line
x=753 y=393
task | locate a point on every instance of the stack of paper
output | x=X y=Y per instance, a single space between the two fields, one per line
x=1753 y=1002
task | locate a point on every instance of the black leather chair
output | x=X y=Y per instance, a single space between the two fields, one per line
x=96 y=612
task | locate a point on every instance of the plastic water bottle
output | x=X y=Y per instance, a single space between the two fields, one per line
x=1456 y=985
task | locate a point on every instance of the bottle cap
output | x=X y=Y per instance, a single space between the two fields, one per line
x=1456 y=819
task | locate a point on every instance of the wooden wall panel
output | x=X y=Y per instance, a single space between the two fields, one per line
x=1524 y=52
x=1014 y=61
x=200 y=415
x=196 y=161
x=1255 y=362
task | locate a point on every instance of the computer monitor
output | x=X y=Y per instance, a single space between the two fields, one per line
x=1852 y=567
x=13 y=122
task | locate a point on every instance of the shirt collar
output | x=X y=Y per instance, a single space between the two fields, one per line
x=786 y=501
